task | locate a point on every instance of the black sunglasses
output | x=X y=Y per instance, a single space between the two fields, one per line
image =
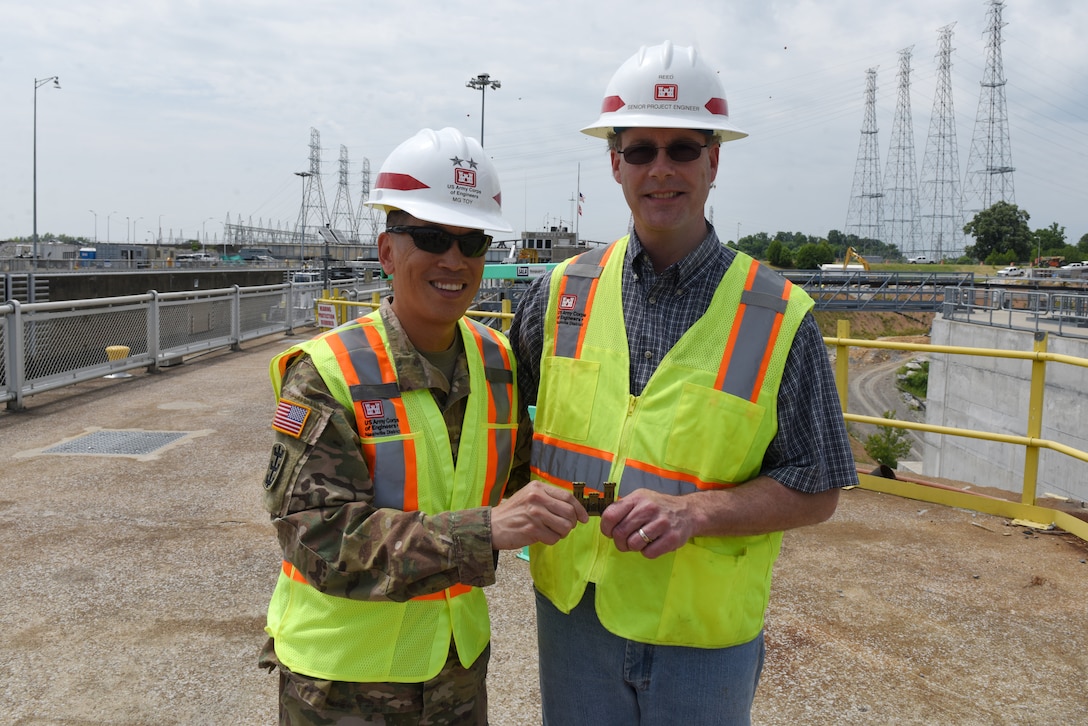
x=681 y=151
x=437 y=241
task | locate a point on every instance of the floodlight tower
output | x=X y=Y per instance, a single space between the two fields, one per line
x=343 y=219
x=941 y=219
x=989 y=165
x=865 y=216
x=483 y=82
x=901 y=174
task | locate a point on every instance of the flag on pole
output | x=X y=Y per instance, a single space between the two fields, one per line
x=581 y=197
x=579 y=210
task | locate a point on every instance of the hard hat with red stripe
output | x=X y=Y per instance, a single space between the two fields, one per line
x=442 y=177
x=669 y=87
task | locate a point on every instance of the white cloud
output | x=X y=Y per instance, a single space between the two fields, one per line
x=191 y=110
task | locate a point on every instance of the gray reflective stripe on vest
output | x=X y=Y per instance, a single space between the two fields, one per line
x=498 y=375
x=761 y=305
x=581 y=276
x=500 y=380
x=570 y=466
x=634 y=478
x=388 y=470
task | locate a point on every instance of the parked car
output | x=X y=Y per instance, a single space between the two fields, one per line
x=197 y=258
x=1075 y=266
x=1011 y=271
x=921 y=260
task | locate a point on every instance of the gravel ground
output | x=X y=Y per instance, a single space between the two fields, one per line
x=135 y=588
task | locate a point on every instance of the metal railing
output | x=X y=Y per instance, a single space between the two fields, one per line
x=1027 y=508
x=1056 y=311
x=44 y=346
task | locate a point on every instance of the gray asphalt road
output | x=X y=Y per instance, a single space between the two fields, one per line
x=873 y=391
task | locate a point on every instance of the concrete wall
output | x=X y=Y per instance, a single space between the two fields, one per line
x=87 y=285
x=990 y=394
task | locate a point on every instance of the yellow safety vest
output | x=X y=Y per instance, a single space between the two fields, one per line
x=406 y=446
x=703 y=422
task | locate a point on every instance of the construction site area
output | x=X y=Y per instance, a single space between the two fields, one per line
x=141 y=563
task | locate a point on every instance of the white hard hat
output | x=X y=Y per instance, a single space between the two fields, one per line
x=669 y=87
x=442 y=177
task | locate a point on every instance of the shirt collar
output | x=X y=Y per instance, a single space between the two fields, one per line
x=708 y=251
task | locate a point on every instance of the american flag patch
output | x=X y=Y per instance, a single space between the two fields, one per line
x=290 y=418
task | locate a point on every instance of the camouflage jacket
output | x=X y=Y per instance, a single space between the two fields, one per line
x=319 y=493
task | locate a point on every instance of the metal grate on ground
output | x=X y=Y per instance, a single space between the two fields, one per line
x=107 y=442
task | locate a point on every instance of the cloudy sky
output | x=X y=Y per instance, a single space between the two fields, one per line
x=178 y=113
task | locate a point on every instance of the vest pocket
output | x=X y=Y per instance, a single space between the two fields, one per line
x=571 y=389
x=712 y=433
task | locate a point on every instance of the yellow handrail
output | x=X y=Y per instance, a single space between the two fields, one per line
x=1027 y=508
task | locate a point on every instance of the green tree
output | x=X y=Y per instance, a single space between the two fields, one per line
x=1001 y=229
x=888 y=444
x=779 y=255
x=1049 y=241
x=1082 y=245
x=811 y=256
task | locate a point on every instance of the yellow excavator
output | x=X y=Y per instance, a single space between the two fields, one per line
x=851 y=254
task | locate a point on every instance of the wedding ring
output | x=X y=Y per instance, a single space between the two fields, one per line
x=645 y=537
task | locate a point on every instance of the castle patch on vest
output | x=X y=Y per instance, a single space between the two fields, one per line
x=568 y=312
x=375 y=420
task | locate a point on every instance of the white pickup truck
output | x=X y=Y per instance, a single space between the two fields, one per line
x=1011 y=271
x=921 y=260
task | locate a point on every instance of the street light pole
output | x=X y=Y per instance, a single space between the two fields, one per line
x=95 y=224
x=483 y=82
x=134 y=240
x=302 y=217
x=38 y=83
x=204 y=231
x=108 y=225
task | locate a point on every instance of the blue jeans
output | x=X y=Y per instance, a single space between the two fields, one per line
x=590 y=677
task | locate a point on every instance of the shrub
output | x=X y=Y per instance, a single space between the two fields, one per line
x=888 y=444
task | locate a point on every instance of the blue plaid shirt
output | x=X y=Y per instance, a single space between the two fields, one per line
x=811 y=451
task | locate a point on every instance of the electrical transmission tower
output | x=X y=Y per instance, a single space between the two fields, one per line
x=989 y=166
x=941 y=219
x=313 y=198
x=865 y=217
x=366 y=221
x=901 y=174
x=343 y=220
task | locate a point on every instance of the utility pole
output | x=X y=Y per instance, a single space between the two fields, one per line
x=901 y=174
x=941 y=218
x=989 y=166
x=865 y=215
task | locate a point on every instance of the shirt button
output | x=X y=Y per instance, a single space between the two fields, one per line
x=648 y=355
x=653 y=300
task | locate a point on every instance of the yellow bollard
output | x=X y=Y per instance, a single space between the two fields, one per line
x=117 y=352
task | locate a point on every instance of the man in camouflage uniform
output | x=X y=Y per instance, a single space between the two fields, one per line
x=369 y=581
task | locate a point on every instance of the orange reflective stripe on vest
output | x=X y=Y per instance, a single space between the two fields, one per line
x=295 y=574
x=575 y=299
x=759 y=317
x=379 y=412
x=562 y=462
x=501 y=400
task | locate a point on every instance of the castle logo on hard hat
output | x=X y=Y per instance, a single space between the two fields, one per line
x=665 y=92
x=463 y=177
